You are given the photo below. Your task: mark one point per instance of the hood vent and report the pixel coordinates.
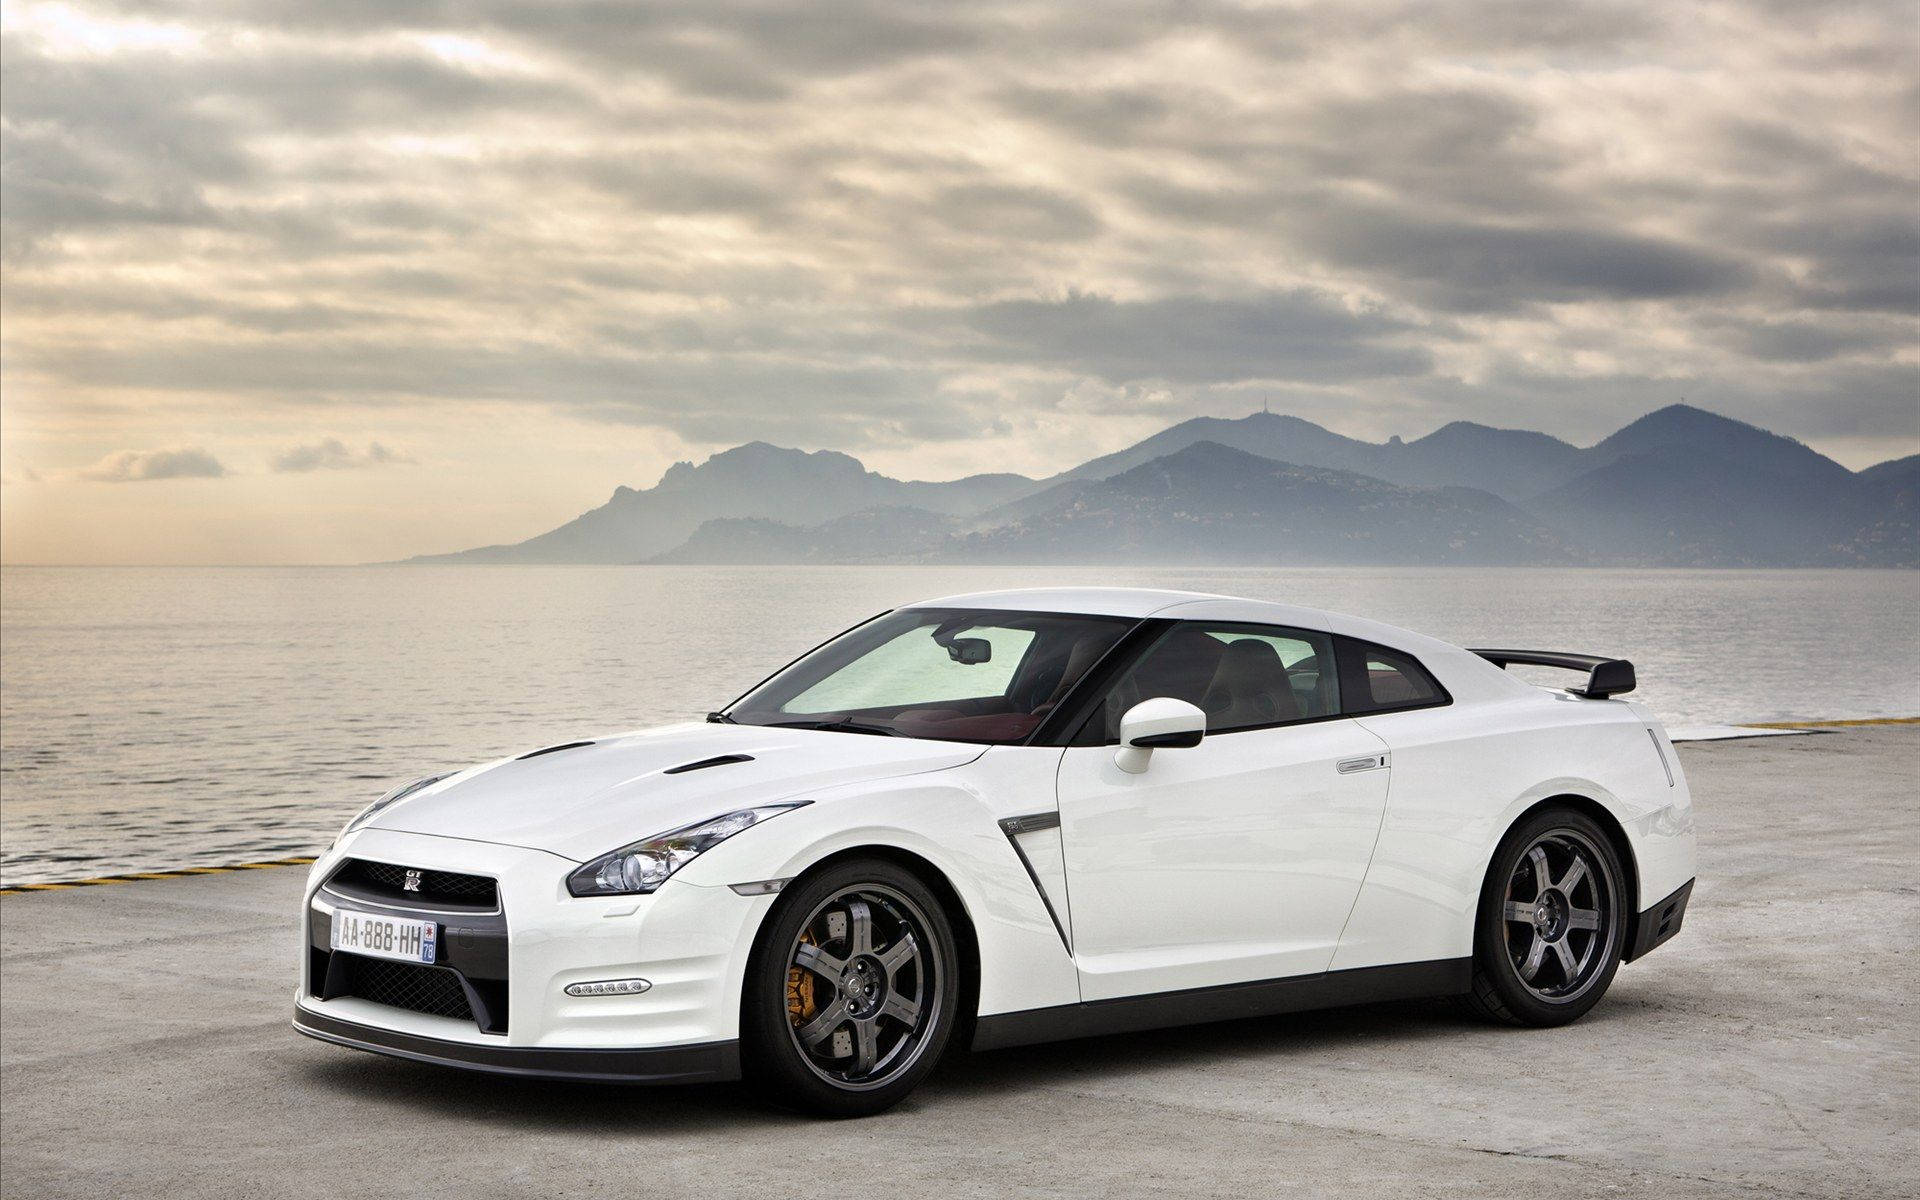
(703, 764)
(552, 750)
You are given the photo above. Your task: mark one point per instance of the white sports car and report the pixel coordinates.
(1006, 818)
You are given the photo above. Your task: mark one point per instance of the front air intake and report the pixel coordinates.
(388, 884)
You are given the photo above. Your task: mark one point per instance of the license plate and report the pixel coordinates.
(400, 938)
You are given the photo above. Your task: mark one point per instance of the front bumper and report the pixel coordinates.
(713, 1062)
(691, 942)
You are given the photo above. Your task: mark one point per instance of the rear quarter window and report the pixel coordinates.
(1376, 679)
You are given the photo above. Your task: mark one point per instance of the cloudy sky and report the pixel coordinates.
(288, 281)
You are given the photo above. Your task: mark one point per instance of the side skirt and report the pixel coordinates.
(1232, 1002)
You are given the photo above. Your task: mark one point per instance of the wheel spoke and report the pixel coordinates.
(814, 959)
(1564, 953)
(1571, 880)
(866, 1046)
(1536, 955)
(903, 951)
(821, 1027)
(903, 1008)
(1542, 876)
(859, 928)
(1583, 918)
(1517, 911)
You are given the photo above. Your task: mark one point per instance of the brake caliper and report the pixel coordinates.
(800, 1003)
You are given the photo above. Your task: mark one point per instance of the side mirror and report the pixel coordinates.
(1162, 723)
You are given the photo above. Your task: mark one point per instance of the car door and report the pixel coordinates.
(1231, 861)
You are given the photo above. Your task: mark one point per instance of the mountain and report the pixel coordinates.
(1894, 478)
(1697, 431)
(1686, 487)
(1512, 463)
(1677, 506)
(1891, 535)
(754, 480)
(1508, 462)
(885, 534)
(1269, 435)
(1677, 487)
(1209, 503)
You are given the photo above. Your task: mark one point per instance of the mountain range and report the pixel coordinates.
(1678, 487)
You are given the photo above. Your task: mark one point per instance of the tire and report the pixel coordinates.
(851, 993)
(1545, 950)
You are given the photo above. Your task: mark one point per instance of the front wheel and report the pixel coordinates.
(851, 993)
(1552, 921)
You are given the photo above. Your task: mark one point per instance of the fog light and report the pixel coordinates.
(609, 987)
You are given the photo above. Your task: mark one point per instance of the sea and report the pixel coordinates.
(157, 718)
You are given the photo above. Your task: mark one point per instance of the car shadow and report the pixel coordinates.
(1324, 1033)
(418, 1089)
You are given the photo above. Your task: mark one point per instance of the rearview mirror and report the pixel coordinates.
(970, 651)
(1162, 723)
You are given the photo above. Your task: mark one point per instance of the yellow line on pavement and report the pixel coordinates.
(1832, 724)
(131, 876)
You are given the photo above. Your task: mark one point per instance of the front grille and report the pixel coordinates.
(441, 887)
(406, 985)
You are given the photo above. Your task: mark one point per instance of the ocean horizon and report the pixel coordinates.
(161, 717)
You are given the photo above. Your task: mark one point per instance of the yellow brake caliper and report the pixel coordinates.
(800, 1005)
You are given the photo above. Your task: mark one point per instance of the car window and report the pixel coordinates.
(913, 668)
(1379, 679)
(954, 674)
(1241, 676)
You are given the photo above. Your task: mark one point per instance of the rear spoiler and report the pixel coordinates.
(1605, 676)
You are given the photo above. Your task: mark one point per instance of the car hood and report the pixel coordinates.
(581, 801)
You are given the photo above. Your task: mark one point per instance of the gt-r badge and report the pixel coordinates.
(412, 882)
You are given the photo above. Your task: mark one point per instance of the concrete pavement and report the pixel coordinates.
(1769, 1050)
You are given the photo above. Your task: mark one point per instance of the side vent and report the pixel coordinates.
(717, 761)
(1014, 827)
(552, 750)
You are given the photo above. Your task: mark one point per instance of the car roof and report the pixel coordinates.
(1461, 670)
(1160, 602)
(1089, 601)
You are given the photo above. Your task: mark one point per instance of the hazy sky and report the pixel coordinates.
(334, 280)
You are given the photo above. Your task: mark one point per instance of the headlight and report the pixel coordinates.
(399, 793)
(644, 866)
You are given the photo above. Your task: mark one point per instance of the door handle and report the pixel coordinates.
(1353, 766)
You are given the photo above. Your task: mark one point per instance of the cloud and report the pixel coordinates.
(1024, 213)
(142, 466)
(1297, 335)
(866, 224)
(332, 454)
(1482, 266)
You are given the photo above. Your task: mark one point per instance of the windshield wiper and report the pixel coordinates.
(843, 725)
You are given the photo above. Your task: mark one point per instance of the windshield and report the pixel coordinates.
(962, 675)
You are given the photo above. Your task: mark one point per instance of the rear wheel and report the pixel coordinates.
(1552, 921)
(851, 993)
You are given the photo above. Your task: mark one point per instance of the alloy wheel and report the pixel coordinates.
(1557, 916)
(862, 980)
